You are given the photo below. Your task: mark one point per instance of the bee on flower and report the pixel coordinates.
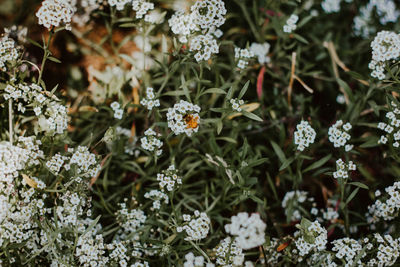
(184, 118)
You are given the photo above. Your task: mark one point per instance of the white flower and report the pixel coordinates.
(169, 179)
(205, 46)
(197, 228)
(320, 239)
(8, 52)
(261, 52)
(249, 231)
(55, 13)
(304, 136)
(150, 100)
(342, 169)
(184, 118)
(291, 23)
(151, 143)
(338, 136)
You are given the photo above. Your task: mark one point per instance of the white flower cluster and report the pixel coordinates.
(196, 227)
(385, 47)
(204, 46)
(118, 111)
(387, 209)
(83, 9)
(331, 6)
(242, 56)
(142, 7)
(249, 231)
(169, 178)
(71, 209)
(120, 4)
(195, 261)
(86, 163)
(150, 100)
(183, 25)
(209, 14)
(291, 23)
(320, 236)
(291, 202)
(151, 143)
(261, 52)
(338, 134)
(203, 22)
(90, 248)
(342, 169)
(52, 116)
(386, 12)
(304, 135)
(8, 52)
(130, 220)
(236, 103)
(14, 159)
(348, 249)
(56, 163)
(157, 197)
(184, 118)
(54, 13)
(388, 250)
(229, 253)
(392, 128)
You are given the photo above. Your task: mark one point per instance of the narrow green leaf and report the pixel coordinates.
(318, 163)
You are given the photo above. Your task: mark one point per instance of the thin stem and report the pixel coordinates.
(249, 21)
(10, 121)
(45, 56)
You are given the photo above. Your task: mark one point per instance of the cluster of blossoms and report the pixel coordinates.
(342, 169)
(332, 6)
(195, 261)
(196, 227)
(150, 100)
(385, 47)
(318, 234)
(203, 22)
(184, 118)
(90, 247)
(261, 52)
(291, 23)
(55, 13)
(387, 209)
(229, 253)
(236, 103)
(141, 7)
(386, 12)
(392, 128)
(292, 201)
(348, 249)
(242, 57)
(304, 135)
(118, 111)
(8, 52)
(388, 250)
(204, 46)
(130, 220)
(151, 143)
(157, 197)
(338, 134)
(249, 231)
(169, 178)
(52, 116)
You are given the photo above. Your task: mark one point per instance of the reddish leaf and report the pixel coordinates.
(260, 80)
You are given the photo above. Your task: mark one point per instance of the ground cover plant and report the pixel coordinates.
(199, 133)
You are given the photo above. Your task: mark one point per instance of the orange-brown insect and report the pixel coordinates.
(191, 121)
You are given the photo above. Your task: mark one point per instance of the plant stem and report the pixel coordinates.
(10, 121)
(45, 56)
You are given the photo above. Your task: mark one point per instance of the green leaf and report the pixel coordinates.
(286, 163)
(278, 152)
(213, 91)
(299, 38)
(352, 195)
(244, 89)
(251, 115)
(361, 185)
(54, 59)
(318, 163)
